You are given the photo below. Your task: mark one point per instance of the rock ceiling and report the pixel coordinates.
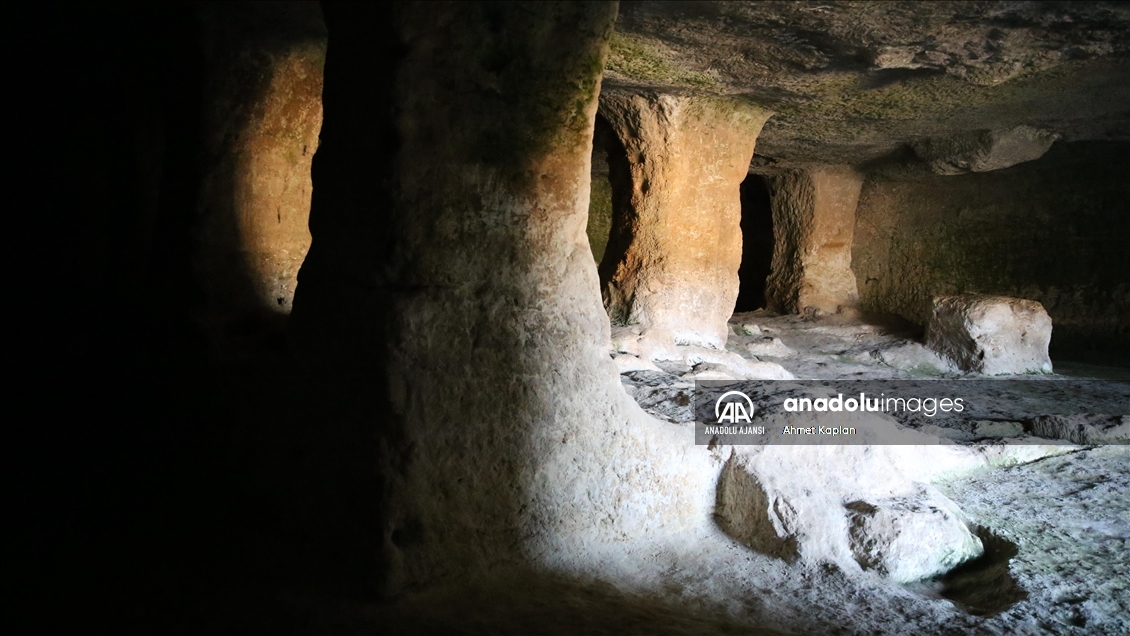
(852, 82)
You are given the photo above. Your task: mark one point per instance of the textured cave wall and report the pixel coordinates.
(675, 249)
(1051, 230)
(450, 282)
(261, 118)
(813, 223)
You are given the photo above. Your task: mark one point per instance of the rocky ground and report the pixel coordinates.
(1054, 524)
(1055, 530)
(1061, 526)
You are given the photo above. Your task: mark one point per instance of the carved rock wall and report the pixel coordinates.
(262, 116)
(452, 311)
(813, 225)
(1050, 230)
(675, 249)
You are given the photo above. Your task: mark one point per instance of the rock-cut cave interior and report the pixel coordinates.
(404, 317)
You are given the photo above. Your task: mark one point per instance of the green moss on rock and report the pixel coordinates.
(600, 216)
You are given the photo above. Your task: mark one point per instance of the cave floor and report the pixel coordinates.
(1059, 525)
(1067, 516)
(1056, 530)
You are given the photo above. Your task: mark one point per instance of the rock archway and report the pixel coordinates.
(757, 243)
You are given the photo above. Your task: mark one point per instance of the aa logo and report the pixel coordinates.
(733, 407)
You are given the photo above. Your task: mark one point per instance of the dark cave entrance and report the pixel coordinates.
(605, 147)
(757, 243)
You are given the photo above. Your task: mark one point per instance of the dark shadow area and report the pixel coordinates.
(600, 195)
(527, 602)
(159, 491)
(757, 243)
(984, 586)
(1100, 355)
(623, 216)
(116, 89)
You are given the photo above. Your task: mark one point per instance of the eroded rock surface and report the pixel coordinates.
(858, 507)
(993, 335)
(264, 95)
(910, 538)
(672, 259)
(854, 81)
(813, 224)
(982, 151)
(1048, 230)
(1085, 429)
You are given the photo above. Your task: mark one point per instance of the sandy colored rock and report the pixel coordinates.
(813, 225)
(983, 150)
(672, 260)
(264, 92)
(993, 335)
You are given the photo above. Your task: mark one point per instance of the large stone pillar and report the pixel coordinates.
(813, 223)
(262, 115)
(676, 243)
(450, 280)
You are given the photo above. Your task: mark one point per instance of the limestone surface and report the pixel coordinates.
(671, 265)
(982, 151)
(850, 82)
(1084, 429)
(264, 74)
(769, 346)
(993, 335)
(910, 538)
(858, 507)
(813, 225)
(1005, 233)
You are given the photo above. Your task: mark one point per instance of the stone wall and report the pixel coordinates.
(813, 220)
(263, 112)
(1052, 230)
(675, 248)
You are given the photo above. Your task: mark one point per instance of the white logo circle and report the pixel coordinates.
(734, 411)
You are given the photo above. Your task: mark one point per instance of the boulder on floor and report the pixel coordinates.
(994, 335)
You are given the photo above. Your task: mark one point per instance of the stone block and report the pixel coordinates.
(910, 538)
(994, 335)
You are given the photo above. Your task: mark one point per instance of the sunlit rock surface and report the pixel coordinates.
(993, 335)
